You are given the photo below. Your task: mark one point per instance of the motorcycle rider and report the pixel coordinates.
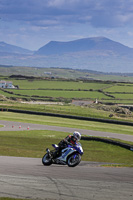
(70, 139)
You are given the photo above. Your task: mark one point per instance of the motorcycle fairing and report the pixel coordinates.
(65, 153)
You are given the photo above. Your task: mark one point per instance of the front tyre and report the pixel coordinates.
(73, 160)
(46, 160)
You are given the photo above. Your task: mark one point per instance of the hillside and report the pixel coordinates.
(12, 49)
(96, 44)
(97, 54)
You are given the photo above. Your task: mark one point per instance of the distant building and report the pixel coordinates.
(6, 84)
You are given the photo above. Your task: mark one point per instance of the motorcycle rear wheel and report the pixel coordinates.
(73, 160)
(46, 160)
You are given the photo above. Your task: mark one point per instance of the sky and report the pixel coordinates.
(33, 23)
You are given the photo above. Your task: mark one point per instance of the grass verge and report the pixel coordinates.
(33, 144)
(63, 122)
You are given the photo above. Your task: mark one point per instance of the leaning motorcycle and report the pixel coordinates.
(71, 155)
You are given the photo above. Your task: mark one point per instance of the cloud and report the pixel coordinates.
(98, 13)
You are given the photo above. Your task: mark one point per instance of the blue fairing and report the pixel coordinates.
(78, 148)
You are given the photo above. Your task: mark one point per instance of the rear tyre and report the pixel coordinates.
(73, 160)
(46, 160)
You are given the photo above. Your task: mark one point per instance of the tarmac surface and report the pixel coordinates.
(28, 178)
(17, 126)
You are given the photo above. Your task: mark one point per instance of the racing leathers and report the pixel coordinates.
(70, 139)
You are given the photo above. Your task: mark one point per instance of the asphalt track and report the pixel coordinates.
(28, 178)
(17, 126)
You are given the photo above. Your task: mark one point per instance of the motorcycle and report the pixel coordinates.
(71, 155)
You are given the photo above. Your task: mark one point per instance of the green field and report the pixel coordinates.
(121, 91)
(125, 88)
(123, 96)
(54, 90)
(57, 84)
(63, 94)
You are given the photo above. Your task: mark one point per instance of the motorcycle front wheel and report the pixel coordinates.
(46, 160)
(73, 160)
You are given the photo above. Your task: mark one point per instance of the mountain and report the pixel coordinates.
(82, 45)
(8, 48)
(96, 53)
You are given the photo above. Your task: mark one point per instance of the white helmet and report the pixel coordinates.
(77, 135)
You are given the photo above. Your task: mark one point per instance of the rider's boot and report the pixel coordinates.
(55, 154)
